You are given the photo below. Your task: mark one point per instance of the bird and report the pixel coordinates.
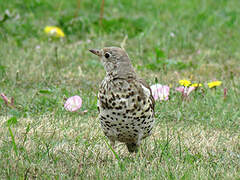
(125, 101)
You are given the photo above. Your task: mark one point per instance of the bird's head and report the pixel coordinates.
(114, 59)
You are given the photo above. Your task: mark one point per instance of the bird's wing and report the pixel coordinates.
(145, 85)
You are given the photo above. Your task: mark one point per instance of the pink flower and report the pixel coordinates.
(160, 92)
(185, 90)
(9, 103)
(73, 103)
(5, 99)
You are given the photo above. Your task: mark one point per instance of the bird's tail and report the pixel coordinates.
(132, 147)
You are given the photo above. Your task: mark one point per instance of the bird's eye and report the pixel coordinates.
(107, 55)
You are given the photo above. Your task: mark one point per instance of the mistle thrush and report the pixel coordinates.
(125, 102)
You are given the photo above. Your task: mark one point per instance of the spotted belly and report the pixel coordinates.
(126, 114)
(126, 128)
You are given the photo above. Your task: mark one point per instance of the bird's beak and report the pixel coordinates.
(95, 51)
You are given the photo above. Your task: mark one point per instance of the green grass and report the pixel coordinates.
(194, 139)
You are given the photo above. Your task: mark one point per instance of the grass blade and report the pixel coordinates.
(13, 141)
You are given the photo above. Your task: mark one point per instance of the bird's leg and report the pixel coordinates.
(132, 147)
(140, 135)
(112, 143)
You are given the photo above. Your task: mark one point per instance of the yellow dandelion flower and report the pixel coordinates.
(214, 84)
(196, 85)
(185, 82)
(54, 31)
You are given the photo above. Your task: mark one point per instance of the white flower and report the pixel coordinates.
(172, 34)
(160, 92)
(185, 90)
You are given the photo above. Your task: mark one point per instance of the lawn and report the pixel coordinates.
(194, 138)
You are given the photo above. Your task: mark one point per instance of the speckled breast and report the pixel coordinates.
(126, 109)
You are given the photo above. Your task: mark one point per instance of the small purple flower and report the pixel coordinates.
(225, 93)
(73, 103)
(160, 92)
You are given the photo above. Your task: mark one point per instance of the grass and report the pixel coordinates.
(167, 40)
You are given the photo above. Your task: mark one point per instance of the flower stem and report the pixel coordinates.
(78, 7)
(56, 55)
(101, 13)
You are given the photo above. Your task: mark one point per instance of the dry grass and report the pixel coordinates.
(76, 146)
